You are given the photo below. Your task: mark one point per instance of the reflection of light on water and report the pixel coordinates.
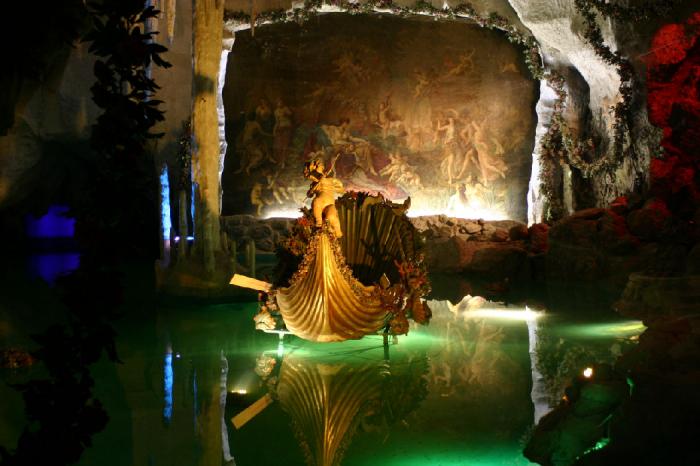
(168, 387)
(280, 348)
(538, 393)
(626, 329)
(507, 314)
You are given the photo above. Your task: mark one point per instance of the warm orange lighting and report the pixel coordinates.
(588, 372)
(283, 213)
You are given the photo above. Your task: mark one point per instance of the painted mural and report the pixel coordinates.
(442, 112)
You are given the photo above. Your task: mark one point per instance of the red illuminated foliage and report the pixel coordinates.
(673, 79)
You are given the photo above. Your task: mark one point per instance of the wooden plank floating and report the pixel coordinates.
(251, 283)
(242, 418)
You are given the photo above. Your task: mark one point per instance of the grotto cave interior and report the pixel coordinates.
(350, 232)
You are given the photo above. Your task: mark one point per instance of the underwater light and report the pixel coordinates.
(168, 387)
(240, 391)
(588, 372)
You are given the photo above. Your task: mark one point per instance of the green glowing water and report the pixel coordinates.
(457, 392)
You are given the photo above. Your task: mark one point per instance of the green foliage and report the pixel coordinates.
(124, 198)
(124, 85)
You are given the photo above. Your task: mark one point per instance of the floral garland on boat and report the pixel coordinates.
(402, 300)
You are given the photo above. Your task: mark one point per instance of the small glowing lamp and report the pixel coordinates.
(588, 372)
(240, 391)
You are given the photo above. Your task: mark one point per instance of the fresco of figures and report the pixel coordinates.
(442, 112)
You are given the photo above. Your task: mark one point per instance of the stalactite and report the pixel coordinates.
(207, 45)
(170, 7)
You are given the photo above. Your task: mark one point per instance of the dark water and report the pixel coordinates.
(464, 390)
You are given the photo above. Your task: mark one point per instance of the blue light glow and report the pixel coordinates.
(165, 202)
(168, 388)
(54, 224)
(51, 266)
(192, 200)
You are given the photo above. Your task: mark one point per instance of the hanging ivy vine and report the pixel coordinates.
(622, 111)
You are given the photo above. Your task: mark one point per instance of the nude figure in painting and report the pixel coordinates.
(254, 149)
(341, 140)
(488, 166)
(257, 200)
(386, 120)
(469, 157)
(282, 132)
(446, 127)
(323, 190)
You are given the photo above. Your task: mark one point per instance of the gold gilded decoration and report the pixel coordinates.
(323, 191)
(326, 403)
(349, 268)
(324, 301)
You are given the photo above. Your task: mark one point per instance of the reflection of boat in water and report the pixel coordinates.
(334, 289)
(329, 400)
(326, 402)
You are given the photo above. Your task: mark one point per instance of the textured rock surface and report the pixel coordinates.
(650, 298)
(451, 244)
(473, 246)
(265, 232)
(52, 126)
(592, 245)
(559, 29)
(607, 245)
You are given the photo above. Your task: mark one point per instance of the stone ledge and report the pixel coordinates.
(494, 248)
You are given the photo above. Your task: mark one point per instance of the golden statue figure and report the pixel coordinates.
(323, 191)
(349, 268)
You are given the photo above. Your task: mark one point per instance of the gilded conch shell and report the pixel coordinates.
(324, 301)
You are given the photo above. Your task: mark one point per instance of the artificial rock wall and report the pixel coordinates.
(404, 107)
(43, 150)
(58, 111)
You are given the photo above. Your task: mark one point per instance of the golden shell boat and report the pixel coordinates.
(351, 273)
